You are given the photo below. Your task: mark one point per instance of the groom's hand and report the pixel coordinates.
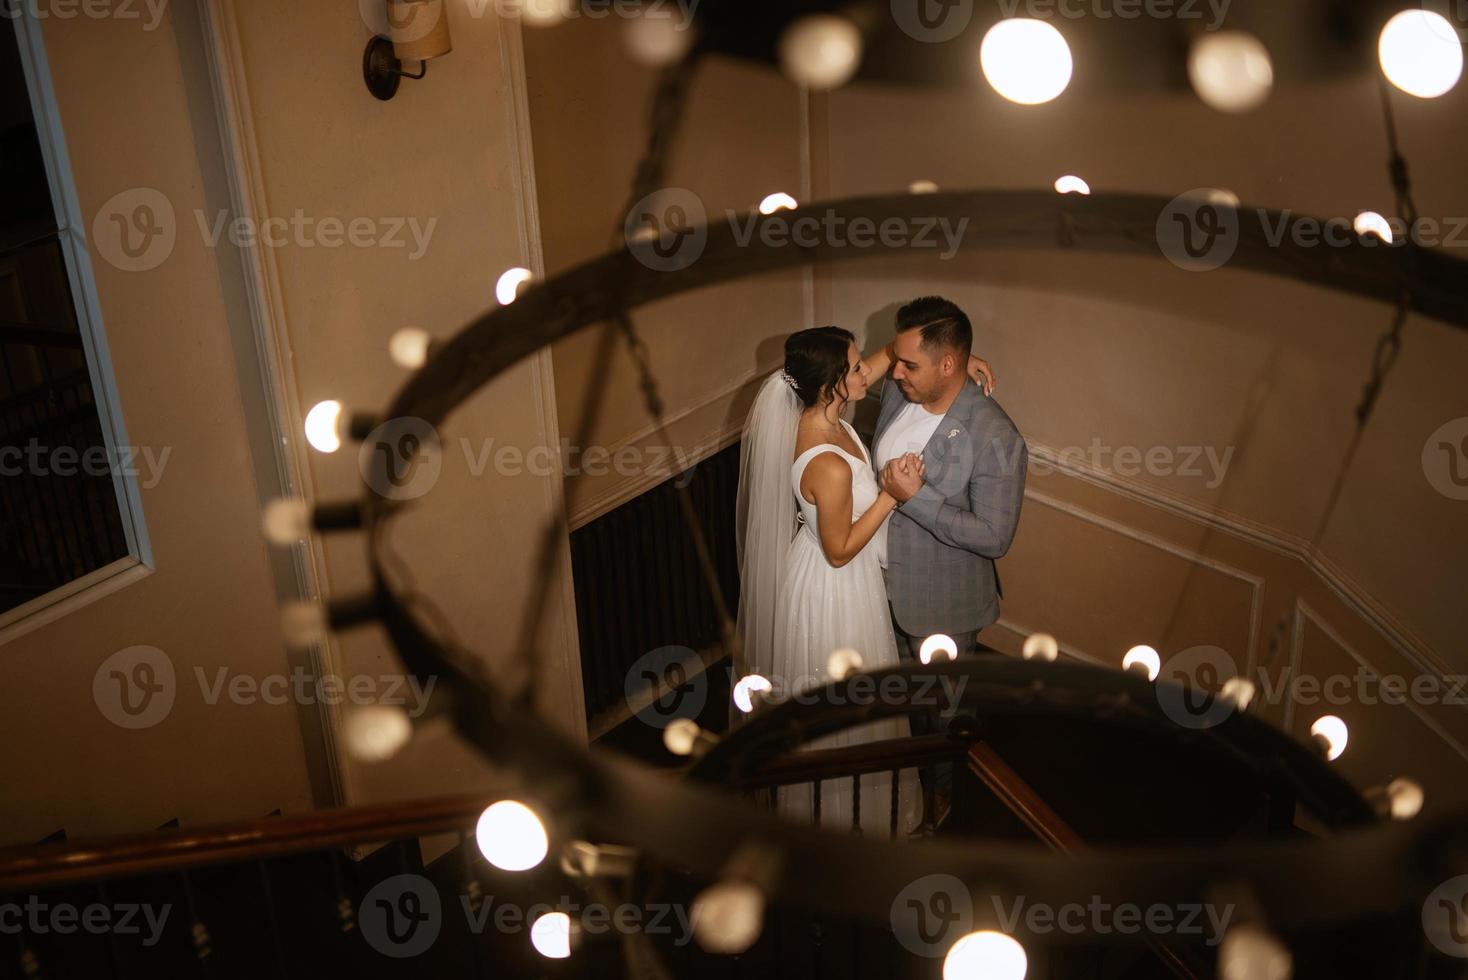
(903, 476)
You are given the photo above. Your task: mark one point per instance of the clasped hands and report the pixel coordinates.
(903, 476)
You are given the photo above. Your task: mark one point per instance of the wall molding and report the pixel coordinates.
(229, 85)
(543, 379)
(1303, 612)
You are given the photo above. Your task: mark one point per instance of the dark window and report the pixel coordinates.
(59, 512)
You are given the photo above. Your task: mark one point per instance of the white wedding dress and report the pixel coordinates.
(823, 608)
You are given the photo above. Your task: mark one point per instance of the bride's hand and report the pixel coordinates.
(982, 373)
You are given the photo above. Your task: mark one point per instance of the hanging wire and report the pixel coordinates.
(1390, 343)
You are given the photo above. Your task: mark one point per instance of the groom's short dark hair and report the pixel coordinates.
(943, 324)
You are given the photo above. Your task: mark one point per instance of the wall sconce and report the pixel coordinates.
(417, 31)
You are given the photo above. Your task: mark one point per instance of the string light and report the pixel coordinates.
(777, 201)
(511, 836)
(986, 955)
(728, 916)
(746, 690)
(408, 348)
(1026, 60)
(1420, 53)
(1230, 70)
(1071, 184)
(1331, 734)
(681, 736)
(323, 426)
(1405, 798)
(1238, 690)
(1250, 952)
(1041, 646)
(376, 732)
(285, 521)
(510, 281)
(1371, 223)
(1143, 658)
(935, 643)
(657, 41)
(821, 51)
(843, 663)
(551, 935)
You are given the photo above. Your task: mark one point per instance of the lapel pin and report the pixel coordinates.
(952, 433)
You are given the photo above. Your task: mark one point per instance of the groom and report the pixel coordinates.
(952, 522)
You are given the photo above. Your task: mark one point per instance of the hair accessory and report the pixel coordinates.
(785, 377)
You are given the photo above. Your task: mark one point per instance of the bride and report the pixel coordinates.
(811, 522)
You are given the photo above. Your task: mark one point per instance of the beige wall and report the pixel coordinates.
(209, 601)
(445, 151)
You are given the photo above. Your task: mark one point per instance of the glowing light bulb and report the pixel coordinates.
(408, 348)
(375, 732)
(747, 688)
(657, 41)
(843, 663)
(776, 202)
(935, 643)
(537, 13)
(1249, 952)
(551, 935)
(1070, 184)
(511, 837)
(1405, 797)
(1026, 60)
(322, 426)
(1239, 690)
(1221, 198)
(1041, 646)
(302, 624)
(285, 521)
(510, 281)
(986, 955)
(1420, 53)
(1231, 70)
(1371, 223)
(728, 916)
(821, 51)
(1333, 735)
(1143, 657)
(681, 735)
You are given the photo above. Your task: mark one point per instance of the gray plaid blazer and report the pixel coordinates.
(941, 543)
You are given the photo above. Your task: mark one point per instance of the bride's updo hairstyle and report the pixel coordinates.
(815, 360)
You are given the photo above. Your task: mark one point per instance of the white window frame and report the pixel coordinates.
(71, 234)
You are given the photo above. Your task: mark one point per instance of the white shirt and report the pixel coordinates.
(908, 433)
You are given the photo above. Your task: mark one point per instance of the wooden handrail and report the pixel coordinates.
(51, 865)
(1020, 798)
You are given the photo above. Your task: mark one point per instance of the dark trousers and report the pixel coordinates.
(926, 721)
